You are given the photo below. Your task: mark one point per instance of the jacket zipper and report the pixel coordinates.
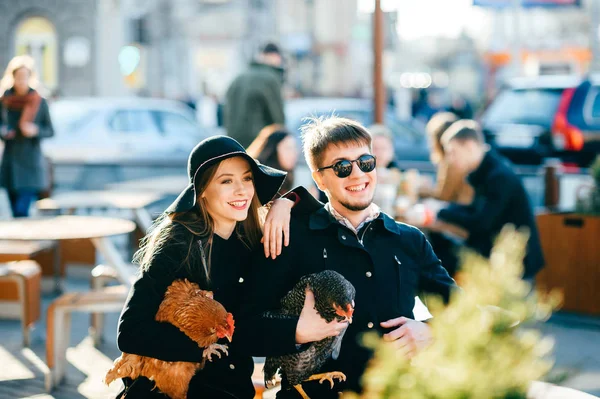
(360, 240)
(324, 253)
(399, 273)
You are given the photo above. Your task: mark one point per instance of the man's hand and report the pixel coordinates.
(29, 129)
(277, 227)
(312, 327)
(410, 337)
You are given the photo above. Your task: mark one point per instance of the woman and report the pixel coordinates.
(276, 147)
(24, 121)
(206, 236)
(451, 185)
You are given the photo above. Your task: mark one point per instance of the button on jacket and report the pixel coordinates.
(387, 262)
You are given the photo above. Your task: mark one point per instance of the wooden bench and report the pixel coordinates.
(58, 327)
(42, 252)
(20, 294)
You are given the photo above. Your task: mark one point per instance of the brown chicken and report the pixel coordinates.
(197, 315)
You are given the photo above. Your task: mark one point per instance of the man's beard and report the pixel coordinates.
(357, 207)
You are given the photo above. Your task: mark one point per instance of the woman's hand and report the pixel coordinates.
(6, 133)
(277, 227)
(312, 327)
(29, 129)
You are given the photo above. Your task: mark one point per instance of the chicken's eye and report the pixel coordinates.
(213, 330)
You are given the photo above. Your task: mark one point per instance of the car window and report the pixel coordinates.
(133, 121)
(171, 123)
(70, 117)
(596, 106)
(535, 106)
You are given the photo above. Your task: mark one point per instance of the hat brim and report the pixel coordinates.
(267, 182)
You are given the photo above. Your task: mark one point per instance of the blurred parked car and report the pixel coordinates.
(113, 129)
(576, 128)
(410, 140)
(522, 120)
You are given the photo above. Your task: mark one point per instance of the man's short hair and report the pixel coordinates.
(318, 133)
(271, 48)
(463, 130)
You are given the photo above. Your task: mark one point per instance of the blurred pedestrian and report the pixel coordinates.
(422, 108)
(254, 99)
(461, 107)
(500, 197)
(451, 184)
(388, 170)
(24, 121)
(277, 148)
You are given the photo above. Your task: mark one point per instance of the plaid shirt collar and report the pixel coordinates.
(374, 212)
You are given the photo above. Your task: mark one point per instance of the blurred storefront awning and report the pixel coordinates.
(526, 3)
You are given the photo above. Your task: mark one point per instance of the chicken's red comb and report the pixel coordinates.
(230, 321)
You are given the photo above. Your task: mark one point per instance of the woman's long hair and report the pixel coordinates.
(436, 127)
(264, 149)
(196, 237)
(18, 62)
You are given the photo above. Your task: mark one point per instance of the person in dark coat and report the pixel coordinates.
(24, 121)
(500, 197)
(206, 236)
(254, 99)
(387, 262)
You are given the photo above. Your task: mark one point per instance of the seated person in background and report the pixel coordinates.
(276, 147)
(451, 185)
(500, 197)
(388, 170)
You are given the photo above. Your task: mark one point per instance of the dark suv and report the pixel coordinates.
(576, 128)
(523, 121)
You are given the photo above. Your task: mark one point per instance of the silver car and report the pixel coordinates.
(96, 129)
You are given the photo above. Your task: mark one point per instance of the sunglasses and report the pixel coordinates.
(343, 168)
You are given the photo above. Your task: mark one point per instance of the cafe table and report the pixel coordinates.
(71, 201)
(97, 229)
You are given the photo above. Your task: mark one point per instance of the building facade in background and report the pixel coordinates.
(186, 49)
(59, 34)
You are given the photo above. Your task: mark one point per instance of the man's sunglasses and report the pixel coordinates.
(343, 168)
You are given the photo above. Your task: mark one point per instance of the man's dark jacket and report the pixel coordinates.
(391, 265)
(253, 101)
(500, 199)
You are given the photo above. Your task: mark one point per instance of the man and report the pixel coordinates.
(254, 99)
(387, 262)
(500, 197)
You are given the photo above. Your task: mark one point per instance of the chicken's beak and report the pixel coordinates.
(349, 320)
(229, 337)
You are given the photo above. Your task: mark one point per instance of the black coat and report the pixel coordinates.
(228, 377)
(23, 166)
(253, 101)
(392, 265)
(500, 199)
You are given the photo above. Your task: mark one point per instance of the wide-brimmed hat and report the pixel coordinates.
(267, 180)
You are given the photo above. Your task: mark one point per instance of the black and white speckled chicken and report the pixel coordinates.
(334, 299)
